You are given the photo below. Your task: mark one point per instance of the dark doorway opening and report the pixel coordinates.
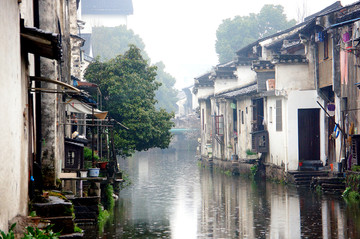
(309, 135)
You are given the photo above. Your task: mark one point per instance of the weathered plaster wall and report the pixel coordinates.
(218, 108)
(245, 75)
(277, 139)
(53, 14)
(308, 101)
(75, 42)
(229, 130)
(339, 141)
(204, 92)
(293, 77)
(244, 127)
(13, 120)
(221, 85)
(206, 127)
(283, 145)
(102, 21)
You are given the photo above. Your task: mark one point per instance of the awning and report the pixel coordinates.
(63, 84)
(76, 106)
(41, 43)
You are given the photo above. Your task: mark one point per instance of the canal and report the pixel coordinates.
(172, 197)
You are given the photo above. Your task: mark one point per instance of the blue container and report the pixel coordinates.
(93, 172)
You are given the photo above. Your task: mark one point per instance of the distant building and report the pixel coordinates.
(187, 102)
(106, 13)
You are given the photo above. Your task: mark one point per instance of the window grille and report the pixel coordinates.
(219, 125)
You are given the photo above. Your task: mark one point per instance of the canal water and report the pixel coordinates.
(172, 197)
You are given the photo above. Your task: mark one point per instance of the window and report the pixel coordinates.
(326, 46)
(270, 114)
(219, 124)
(202, 119)
(242, 117)
(235, 120)
(278, 115)
(70, 160)
(240, 120)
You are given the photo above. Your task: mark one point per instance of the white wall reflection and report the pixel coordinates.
(172, 198)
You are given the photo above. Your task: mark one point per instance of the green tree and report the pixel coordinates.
(166, 95)
(108, 42)
(128, 85)
(233, 34)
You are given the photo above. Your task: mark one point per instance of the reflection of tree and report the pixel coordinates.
(352, 213)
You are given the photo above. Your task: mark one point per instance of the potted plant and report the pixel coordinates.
(102, 163)
(91, 156)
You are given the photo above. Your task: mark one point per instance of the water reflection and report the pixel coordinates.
(171, 197)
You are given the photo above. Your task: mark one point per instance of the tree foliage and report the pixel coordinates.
(233, 34)
(108, 42)
(166, 95)
(128, 85)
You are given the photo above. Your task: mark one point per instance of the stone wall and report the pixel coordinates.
(241, 168)
(274, 172)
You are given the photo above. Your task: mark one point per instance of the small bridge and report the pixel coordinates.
(180, 131)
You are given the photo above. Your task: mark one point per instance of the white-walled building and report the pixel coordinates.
(267, 101)
(106, 13)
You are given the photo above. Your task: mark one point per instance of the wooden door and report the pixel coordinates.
(309, 134)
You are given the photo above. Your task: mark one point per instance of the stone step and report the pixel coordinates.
(329, 179)
(332, 186)
(72, 236)
(309, 172)
(63, 224)
(54, 208)
(85, 201)
(334, 191)
(86, 215)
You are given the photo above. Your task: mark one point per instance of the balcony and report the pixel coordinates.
(260, 141)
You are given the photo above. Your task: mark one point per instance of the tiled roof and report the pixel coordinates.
(289, 59)
(239, 92)
(203, 80)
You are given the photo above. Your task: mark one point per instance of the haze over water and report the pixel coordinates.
(171, 197)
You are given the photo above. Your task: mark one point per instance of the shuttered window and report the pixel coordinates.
(278, 115)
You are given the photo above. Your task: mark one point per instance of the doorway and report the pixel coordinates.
(309, 134)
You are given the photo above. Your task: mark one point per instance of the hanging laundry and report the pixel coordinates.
(346, 37)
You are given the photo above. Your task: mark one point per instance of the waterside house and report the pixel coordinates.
(291, 98)
(40, 69)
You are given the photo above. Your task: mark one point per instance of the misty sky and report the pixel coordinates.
(182, 33)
